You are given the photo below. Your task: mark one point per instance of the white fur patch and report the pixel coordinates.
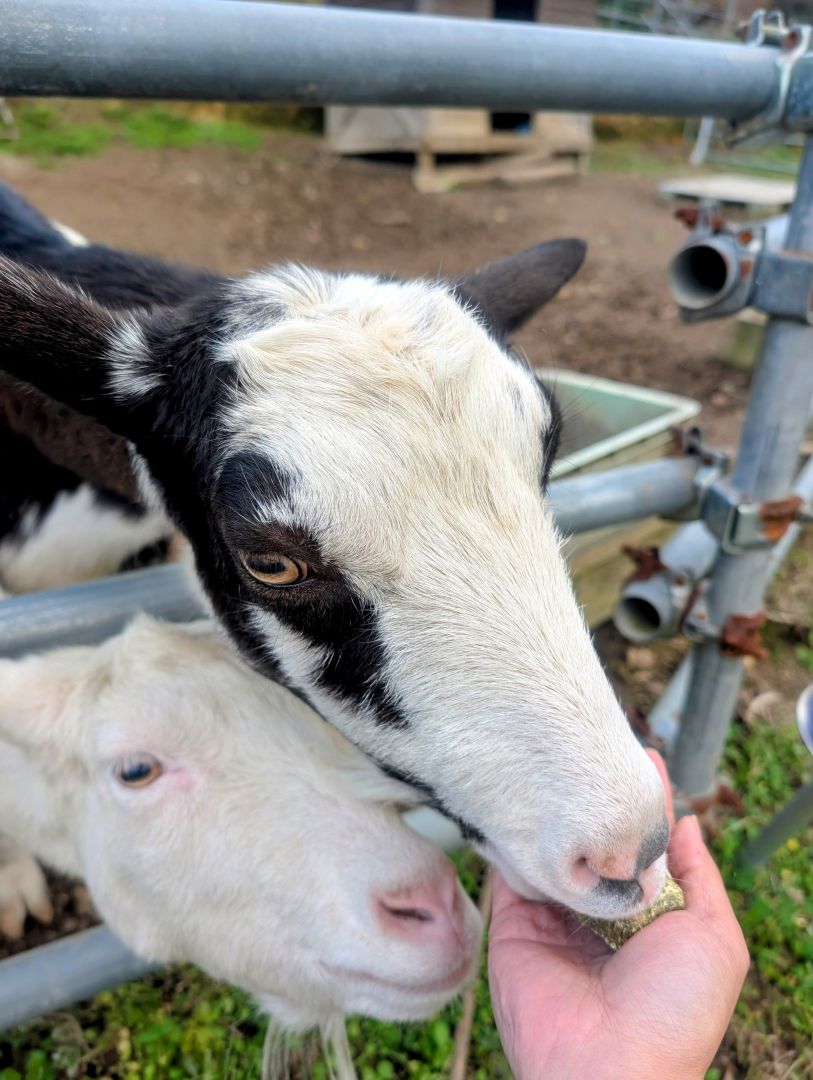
(78, 539)
(129, 359)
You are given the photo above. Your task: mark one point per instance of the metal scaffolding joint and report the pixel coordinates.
(723, 269)
(740, 523)
(791, 45)
(712, 464)
(646, 560)
(783, 285)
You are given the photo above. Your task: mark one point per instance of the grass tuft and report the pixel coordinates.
(46, 133)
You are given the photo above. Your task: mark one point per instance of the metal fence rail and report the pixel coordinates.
(227, 50)
(57, 975)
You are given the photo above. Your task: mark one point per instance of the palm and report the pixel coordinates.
(568, 1007)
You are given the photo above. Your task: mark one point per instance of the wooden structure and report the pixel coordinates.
(513, 147)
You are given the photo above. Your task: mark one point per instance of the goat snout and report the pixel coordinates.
(430, 912)
(629, 874)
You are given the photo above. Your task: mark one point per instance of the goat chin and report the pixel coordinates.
(335, 1045)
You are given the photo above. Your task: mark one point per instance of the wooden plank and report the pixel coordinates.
(432, 179)
(735, 188)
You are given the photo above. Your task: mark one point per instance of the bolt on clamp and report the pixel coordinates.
(740, 524)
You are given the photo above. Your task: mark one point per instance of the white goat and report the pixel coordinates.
(216, 819)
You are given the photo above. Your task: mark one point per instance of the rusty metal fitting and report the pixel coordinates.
(741, 636)
(778, 515)
(689, 215)
(647, 562)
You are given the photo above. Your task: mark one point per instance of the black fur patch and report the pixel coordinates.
(250, 479)
(324, 610)
(469, 831)
(118, 279)
(551, 436)
(625, 892)
(30, 484)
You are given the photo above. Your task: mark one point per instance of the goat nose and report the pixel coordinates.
(653, 847)
(621, 865)
(432, 911)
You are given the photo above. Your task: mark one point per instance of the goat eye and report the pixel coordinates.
(138, 771)
(275, 569)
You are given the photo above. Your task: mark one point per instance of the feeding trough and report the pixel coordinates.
(609, 424)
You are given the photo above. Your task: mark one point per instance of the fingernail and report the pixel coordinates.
(694, 825)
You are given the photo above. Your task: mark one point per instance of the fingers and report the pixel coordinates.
(706, 898)
(659, 764)
(516, 920)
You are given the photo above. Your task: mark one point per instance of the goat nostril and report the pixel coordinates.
(584, 874)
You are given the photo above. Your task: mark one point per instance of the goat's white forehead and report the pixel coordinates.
(414, 336)
(383, 397)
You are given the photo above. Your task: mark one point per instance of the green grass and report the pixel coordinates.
(774, 903)
(156, 127)
(630, 156)
(45, 132)
(660, 157)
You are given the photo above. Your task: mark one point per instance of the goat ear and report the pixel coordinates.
(33, 697)
(508, 292)
(64, 344)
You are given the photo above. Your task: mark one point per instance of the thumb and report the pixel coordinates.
(695, 871)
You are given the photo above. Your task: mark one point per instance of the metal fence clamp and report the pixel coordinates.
(792, 43)
(741, 524)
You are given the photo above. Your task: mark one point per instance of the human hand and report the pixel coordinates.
(566, 1007)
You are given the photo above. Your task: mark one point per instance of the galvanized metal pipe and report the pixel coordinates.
(664, 717)
(652, 608)
(774, 426)
(595, 500)
(87, 613)
(226, 50)
(791, 820)
(57, 975)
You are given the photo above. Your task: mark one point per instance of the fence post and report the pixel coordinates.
(774, 427)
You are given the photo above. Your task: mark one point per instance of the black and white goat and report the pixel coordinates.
(360, 466)
(68, 509)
